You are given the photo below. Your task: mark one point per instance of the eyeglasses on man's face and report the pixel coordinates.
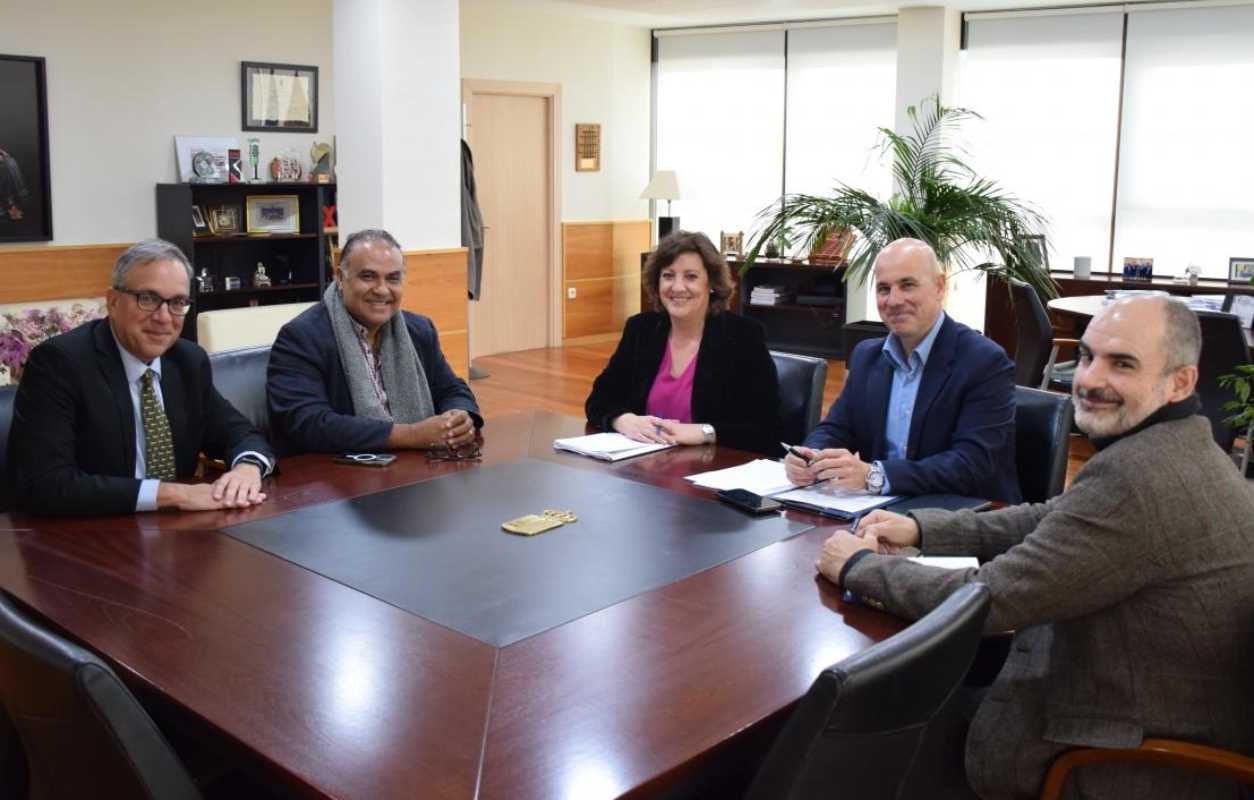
(151, 301)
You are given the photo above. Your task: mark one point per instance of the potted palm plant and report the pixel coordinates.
(968, 220)
(1241, 383)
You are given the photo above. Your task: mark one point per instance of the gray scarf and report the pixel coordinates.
(409, 394)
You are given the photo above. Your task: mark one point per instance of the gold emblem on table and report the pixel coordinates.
(531, 524)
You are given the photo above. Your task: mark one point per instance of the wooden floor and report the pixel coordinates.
(560, 378)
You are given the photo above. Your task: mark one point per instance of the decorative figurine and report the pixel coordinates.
(254, 157)
(320, 156)
(1192, 273)
(204, 281)
(260, 278)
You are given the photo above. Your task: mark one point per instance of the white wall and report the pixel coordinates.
(399, 157)
(126, 76)
(603, 69)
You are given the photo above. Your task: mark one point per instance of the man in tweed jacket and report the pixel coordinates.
(1131, 594)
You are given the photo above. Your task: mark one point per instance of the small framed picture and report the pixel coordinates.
(273, 213)
(1138, 269)
(731, 243)
(1241, 269)
(223, 220)
(199, 226)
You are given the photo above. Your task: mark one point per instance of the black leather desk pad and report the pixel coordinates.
(436, 548)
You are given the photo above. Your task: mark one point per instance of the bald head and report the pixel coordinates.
(1180, 334)
(915, 252)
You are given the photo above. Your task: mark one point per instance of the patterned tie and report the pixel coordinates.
(158, 442)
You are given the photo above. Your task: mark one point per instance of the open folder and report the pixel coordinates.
(606, 446)
(767, 478)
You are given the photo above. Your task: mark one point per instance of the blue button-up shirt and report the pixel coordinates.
(907, 376)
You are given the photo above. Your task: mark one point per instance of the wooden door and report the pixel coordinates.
(511, 138)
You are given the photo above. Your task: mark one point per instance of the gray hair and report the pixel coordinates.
(1182, 335)
(146, 252)
(364, 237)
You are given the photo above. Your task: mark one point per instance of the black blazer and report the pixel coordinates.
(311, 406)
(72, 446)
(962, 433)
(734, 388)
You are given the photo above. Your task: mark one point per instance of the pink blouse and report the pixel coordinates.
(671, 398)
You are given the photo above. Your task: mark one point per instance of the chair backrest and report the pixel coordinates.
(857, 730)
(1042, 439)
(235, 328)
(801, 380)
(1223, 348)
(1035, 333)
(240, 377)
(84, 734)
(7, 395)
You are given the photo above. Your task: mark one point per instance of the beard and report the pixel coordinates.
(1119, 418)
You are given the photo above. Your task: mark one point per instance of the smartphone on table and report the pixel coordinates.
(365, 459)
(746, 500)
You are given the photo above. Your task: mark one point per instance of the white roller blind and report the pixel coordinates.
(720, 126)
(1048, 89)
(1186, 177)
(841, 88)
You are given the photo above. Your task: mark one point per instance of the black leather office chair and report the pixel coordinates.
(1036, 355)
(7, 394)
(240, 377)
(83, 732)
(1042, 440)
(801, 380)
(862, 723)
(1223, 348)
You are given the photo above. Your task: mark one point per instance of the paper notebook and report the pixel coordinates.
(768, 478)
(607, 446)
(761, 477)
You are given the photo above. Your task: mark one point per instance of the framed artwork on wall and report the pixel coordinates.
(278, 97)
(25, 184)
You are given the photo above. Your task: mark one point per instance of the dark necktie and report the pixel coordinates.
(158, 442)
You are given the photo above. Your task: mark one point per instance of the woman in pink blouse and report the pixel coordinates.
(690, 372)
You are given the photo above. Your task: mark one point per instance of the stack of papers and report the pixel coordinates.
(767, 295)
(760, 477)
(829, 500)
(607, 446)
(948, 562)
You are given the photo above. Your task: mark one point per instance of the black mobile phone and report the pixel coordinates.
(365, 459)
(746, 500)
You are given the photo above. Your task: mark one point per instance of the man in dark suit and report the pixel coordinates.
(356, 373)
(111, 417)
(1131, 594)
(929, 409)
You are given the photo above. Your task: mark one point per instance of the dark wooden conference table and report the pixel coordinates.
(334, 693)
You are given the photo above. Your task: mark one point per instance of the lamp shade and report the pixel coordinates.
(664, 186)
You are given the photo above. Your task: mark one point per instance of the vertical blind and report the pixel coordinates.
(841, 86)
(1186, 176)
(1048, 89)
(720, 125)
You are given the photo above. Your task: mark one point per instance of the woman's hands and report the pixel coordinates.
(657, 430)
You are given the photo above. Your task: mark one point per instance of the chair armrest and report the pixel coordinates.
(1165, 752)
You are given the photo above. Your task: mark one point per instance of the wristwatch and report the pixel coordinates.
(707, 434)
(875, 478)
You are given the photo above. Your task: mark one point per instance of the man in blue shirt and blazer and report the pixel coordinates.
(927, 410)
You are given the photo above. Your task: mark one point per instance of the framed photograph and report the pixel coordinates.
(273, 213)
(223, 220)
(731, 243)
(1138, 269)
(1241, 269)
(25, 187)
(199, 226)
(278, 97)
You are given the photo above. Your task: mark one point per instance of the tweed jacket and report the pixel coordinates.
(1132, 598)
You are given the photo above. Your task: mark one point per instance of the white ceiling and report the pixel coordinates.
(681, 13)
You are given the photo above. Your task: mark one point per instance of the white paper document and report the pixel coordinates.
(607, 446)
(828, 499)
(948, 562)
(760, 477)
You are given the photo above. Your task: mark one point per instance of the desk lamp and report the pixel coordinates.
(664, 186)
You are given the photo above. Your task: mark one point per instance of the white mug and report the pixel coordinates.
(1083, 267)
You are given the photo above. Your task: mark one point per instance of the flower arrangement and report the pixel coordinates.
(21, 332)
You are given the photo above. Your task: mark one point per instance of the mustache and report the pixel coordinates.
(1096, 395)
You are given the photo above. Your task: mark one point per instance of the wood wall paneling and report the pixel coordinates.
(56, 272)
(435, 286)
(601, 261)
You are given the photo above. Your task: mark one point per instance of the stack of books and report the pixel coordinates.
(765, 295)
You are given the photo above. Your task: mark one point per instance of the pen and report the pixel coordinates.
(794, 451)
(848, 595)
